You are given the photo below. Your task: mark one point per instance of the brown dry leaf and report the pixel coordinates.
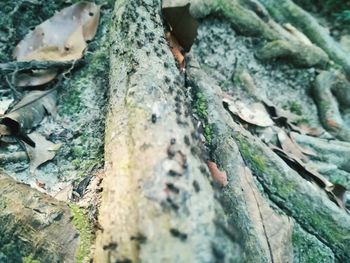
(35, 78)
(336, 192)
(43, 151)
(254, 114)
(176, 49)
(279, 114)
(274, 231)
(219, 176)
(289, 146)
(303, 149)
(29, 112)
(61, 38)
(183, 26)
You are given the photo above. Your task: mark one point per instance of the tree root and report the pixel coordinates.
(299, 54)
(36, 225)
(327, 105)
(287, 11)
(305, 202)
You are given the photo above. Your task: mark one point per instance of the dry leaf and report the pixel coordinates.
(183, 26)
(176, 49)
(274, 231)
(219, 176)
(254, 114)
(280, 115)
(335, 191)
(4, 105)
(289, 146)
(29, 112)
(60, 38)
(43, 152)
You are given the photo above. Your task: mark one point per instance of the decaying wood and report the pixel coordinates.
(34, 225)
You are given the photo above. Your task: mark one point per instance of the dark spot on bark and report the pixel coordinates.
(173, 188)
(91, 13)
(172, 204)
(195, 135)
(194, 150)
(167, 79)
(196, 186)
(176, 233)
(171, 152)
(203, 169)
(154, 118)
(174, 173)
(139, 237)
(172, 141)
(166, 65)
(187, 140)
(126, 260)
(110, 246)
(218, 253)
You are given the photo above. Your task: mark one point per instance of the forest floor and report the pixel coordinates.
(238, 108)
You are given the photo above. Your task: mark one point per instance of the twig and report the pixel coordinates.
(23, 66)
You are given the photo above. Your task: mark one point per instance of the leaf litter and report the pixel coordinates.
(275, 121)
(60, 38)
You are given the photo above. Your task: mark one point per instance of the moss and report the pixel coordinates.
(29, 259)
(85, 229)
(307, 249)
(295, 108)
(201, 108)
(297, 204)
(259, 166)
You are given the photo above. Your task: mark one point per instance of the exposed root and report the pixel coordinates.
(327, 104)
(298, 53)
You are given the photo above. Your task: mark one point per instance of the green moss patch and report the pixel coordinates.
(85, 229)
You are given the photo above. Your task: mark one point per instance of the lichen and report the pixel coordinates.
(85, 229)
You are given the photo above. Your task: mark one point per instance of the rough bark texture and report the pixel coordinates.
(34, 225)
(156, 183)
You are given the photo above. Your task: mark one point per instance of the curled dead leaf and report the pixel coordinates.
(29, 112)
(335, 191)
(219, 176)
(176, 49)
(254, 114)
(183, 26)
(289, 146)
